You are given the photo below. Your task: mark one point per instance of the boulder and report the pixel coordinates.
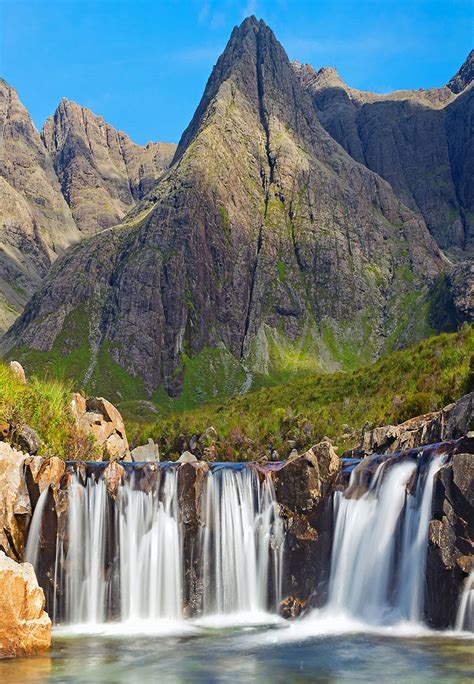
(303, 486)
(98, 417)
(27, 439)
(25, 627)
(187, 457)
(15, 505)
(18, 372)
(146, 452)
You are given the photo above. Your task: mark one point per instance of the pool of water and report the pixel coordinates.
(248, 649)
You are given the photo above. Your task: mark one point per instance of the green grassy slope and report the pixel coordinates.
(399, 386)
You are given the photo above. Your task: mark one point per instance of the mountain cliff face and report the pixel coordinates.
(420, 141)
(102, 172)
(265, 249)
(35, 222)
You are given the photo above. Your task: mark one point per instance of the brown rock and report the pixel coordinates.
(15, 505)
(25, 627)
(291, 608)
(112, 477)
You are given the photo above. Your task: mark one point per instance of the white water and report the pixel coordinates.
(34, 533)
(123, 560)
(242, 543)
(150, 553)
(465, 615)
(380, 542)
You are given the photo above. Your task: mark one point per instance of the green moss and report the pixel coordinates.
(225, 222)
(281, 270)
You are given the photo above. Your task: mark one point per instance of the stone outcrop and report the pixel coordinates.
(99, 418)
(102, 172)
(461, 285)
(263, 233)
(303, 488)
(420, 141)
(25, 627)
(15, 504)
(35, 222)
(452, 422)
(451, 536)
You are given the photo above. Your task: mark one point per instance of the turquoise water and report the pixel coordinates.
(310, 650)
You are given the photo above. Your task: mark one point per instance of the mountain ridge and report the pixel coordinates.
(265, 248)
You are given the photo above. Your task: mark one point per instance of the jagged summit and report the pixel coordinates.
(464, 77)
(241, 60)
(264, 241)
(102, 172)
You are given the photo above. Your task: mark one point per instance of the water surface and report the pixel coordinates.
(312, 650)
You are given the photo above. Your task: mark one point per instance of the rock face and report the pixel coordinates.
(451, 538)
(264, 234)
(25, 628)
(35, 222)
(461, 284)
(419, 141)
(101, 171)
(303, 489)
(452, 422)
(15, 504)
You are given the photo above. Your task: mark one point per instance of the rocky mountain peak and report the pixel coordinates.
(464, 77)
(326, 77)
(102, 172)
(251, 45)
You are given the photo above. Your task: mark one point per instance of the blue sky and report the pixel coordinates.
(143, 64)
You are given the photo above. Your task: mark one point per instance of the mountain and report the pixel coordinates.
(35, 222)
(102, 172)
(264, 250)
(420, 141)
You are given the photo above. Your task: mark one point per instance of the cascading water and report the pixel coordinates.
(380, 543)
(465, 615)
(242, 543)
(120, 556)
(150, 552)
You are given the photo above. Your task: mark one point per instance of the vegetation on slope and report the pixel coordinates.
(43, 405)
(296, 414)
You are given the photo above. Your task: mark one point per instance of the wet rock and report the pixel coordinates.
(146, 452)
(451, 538)
(191, 478)
(113, 475)
(25, 628)
(303, 488)
(18, 372)
(291, 608)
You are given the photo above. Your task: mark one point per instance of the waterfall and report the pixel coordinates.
(150, 551)
(119, 552)
(380, 542)
(465, 615)
(34, 533)
(242, 543)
